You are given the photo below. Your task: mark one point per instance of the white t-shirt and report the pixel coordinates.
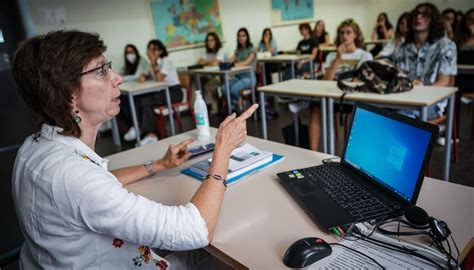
(350, 61)
(75, 214)
(220, 55)
(167, 68)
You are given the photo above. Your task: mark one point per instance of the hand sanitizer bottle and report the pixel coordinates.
(202, 119)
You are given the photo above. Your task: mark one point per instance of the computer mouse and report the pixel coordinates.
(306, 251)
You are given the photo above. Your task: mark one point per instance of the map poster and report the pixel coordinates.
(286, 12)
(185, 22)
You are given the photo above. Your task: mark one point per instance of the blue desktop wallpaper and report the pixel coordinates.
(388, 150)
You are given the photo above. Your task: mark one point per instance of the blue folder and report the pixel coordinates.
(235, 178)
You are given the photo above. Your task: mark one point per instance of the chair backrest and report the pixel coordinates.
(185, 81)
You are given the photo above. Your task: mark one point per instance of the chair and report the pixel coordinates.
(185, 104)
(9, 257)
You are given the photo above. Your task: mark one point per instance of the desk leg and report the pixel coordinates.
(296, 123)
(332, 148)
(198, 83)
(170, 110)
(263, 73)
(449, 137)
(324, 118)
(263, 115)
(134, 117)
(253, 92)
(229, 104)
(115, 133)
(311, 68)
(424, 114)
(293, 69)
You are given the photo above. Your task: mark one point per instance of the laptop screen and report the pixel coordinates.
(389, 151)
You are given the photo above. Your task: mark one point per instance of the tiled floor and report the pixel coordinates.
(10, 236)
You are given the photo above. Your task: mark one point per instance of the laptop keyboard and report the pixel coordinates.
(358, 202)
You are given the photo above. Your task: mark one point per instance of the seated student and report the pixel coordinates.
(308, 45)
(162, 70)
(320, 34)
(383, 29)
(428, 57)
(73, 212)
(349, 56)
(244, 55)
(136, 68)
(449, 22)
(465, 37)
(213, 56)
(400, 32)
(268, 44)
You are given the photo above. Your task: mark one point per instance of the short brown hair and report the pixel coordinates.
(359, 40)
(47, 70)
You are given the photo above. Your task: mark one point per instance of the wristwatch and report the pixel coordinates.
(149, 167)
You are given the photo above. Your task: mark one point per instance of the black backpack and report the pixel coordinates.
(378, 76)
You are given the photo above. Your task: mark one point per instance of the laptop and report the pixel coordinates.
(381, 170)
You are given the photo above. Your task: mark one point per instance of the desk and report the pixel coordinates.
(259, 220)
(226, 74)
(376, 41)
(132, 89)
(465, 69)
(328, 49)
(285, 58)
(418, 99)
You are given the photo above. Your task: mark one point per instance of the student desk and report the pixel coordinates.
(132, 89)
(465, 69)
(420, 98)
(376, 41)
(259, 220)
(215, 71)
(327, 49)
(285, 58)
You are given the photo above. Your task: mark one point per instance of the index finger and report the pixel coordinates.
(248, 112)
(184, 143)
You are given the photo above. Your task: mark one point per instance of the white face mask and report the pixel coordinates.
(131, 57)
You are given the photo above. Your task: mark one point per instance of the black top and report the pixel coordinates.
(322, 38)
(306, 46)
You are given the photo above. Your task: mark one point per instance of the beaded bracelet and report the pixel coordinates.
(218, 178)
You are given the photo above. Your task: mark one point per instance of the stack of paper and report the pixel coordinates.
(243, 160)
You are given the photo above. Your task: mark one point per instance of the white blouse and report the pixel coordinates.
(75, 214)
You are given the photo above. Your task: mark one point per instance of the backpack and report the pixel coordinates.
(379, 76)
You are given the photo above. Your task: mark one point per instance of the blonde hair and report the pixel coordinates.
(359, 40)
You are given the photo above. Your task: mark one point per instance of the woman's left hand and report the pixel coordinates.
(176, 154)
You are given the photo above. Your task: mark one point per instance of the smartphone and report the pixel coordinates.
(201, 149)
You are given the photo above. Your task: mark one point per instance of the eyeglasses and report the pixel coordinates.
(104, 70)
(345, 32)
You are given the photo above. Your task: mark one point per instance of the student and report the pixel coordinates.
(163, 70)
(244, 55)
(73, 212)
(267, 43)
(320, 34)
(349, 56)
(308, 45)
(465, 33)
(449, 21)
(428, 57)
(400, 32)
(213, 56)
(136, 68)
(383, 29)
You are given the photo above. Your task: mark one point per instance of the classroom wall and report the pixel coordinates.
(122, 21)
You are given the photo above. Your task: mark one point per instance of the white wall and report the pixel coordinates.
(129, 21)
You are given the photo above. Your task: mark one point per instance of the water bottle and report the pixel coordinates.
(202, 120)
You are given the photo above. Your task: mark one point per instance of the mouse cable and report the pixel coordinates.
(398, 248)
(457, 251)
(358, 252)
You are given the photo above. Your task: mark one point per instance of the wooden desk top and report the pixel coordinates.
(376, 41)
(259, 220)
(131, 87)
(419, 96)
(214, 71)
(328, 48)
(285, 58)
(465, 69)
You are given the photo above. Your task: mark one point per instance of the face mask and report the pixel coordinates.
(131, 57)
